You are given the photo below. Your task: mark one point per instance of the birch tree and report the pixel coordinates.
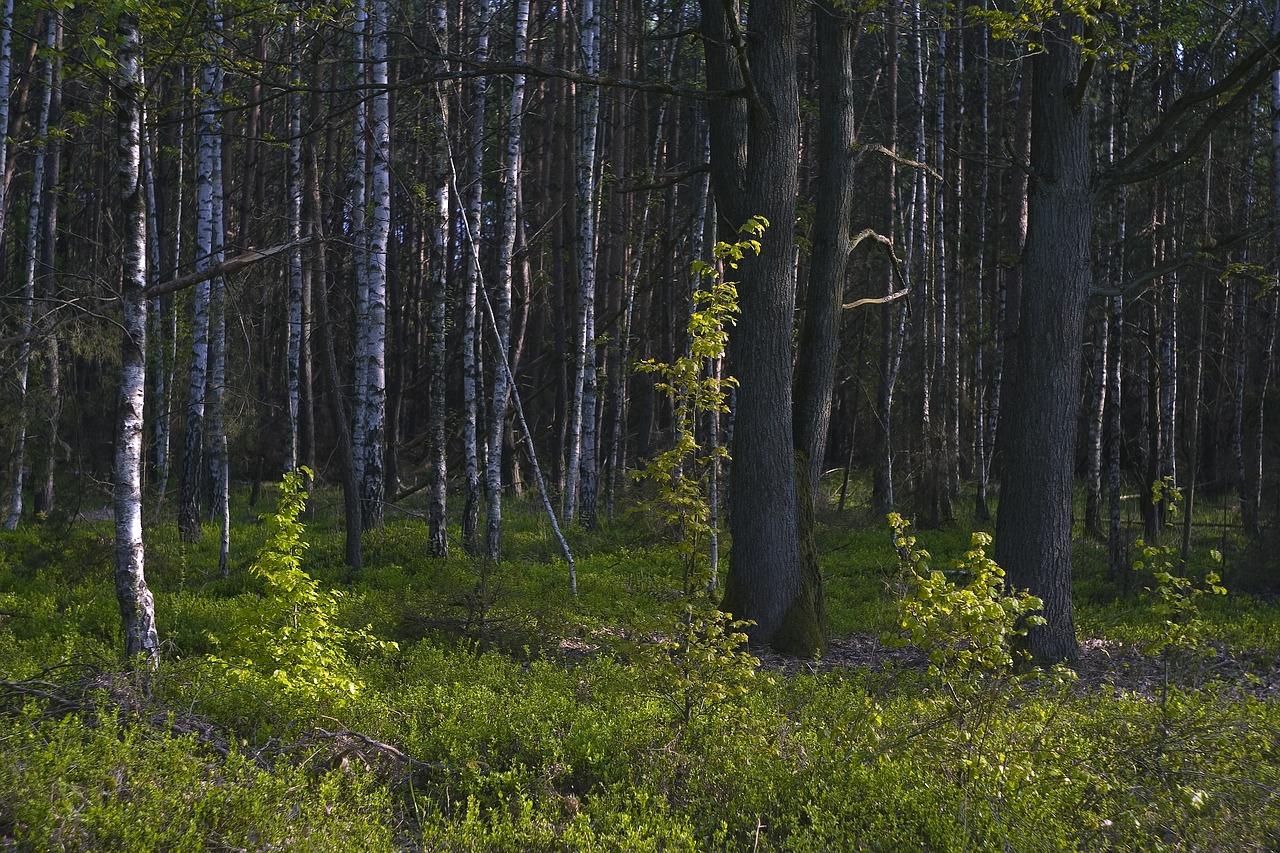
(580, 473)
(502, 301)
(137, 607)
(371, 392)
(35, 221)
(470, 287)
(208, 203)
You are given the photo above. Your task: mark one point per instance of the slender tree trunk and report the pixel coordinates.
(1094, 425)
(368, 436)
(819, 343)
(6, 65)
(894, 322)
(582, 484)
(502, 310)
(47, 291)
(137, 607)
(437, 297)
(294, 188)
(982, 449)
(35, 219)
(209, 152)
(337, 409)
(471, 284)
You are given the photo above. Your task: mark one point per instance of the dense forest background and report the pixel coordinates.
(416, 246)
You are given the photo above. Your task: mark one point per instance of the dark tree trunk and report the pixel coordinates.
(1033, 530)
(754, 146)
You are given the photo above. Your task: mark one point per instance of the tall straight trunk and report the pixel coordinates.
(1033, 529)
(1115, 436)
(582, 483)
(470, 288)
(1115, 355)
(1005, 384)
(164, 310)
(294, 190)
(337, 409)
(1094, 424)
(35, 219)
(47, 290)
(502, 306)
(6, 66)
(209, 126)
(754, 148)
(219, 460)
(894, 321)
(1251, 496)
(437, 316)
(1240, 315)
(982, 448)
(819, 343)
(137, 607)
(1192, 405)
(368, 435)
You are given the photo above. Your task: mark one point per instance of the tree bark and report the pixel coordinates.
(754, 149)
(1033, 530)
(137, 607)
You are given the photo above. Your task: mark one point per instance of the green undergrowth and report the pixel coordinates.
(509, 715)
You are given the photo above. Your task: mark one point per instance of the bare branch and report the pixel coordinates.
(227, 267)
(905, 288)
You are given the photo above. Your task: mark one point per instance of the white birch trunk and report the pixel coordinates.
(371, 393)
(437, 461)
(137, 608)
(471, 284)
(6, 65)
(208, 168)
(360, 239)
(581, 480)
(502, 309)
(294, 355)
(35, 217)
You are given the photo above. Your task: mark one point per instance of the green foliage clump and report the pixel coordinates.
(1175, 597)
(682, 471)
(300, 644)
(968, 632)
